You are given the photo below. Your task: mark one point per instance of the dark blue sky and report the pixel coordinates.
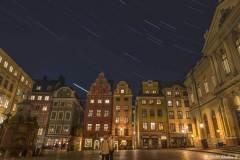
(130, 40)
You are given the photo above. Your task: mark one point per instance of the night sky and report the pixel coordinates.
(130, 40)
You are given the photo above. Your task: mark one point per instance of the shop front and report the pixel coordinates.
(154, 142)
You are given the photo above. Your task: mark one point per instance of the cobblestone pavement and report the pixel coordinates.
(168, 154)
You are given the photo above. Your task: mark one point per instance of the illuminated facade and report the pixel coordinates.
(122, 129)
(42, 99)
(65, 121)
(179, 120)
(15, 85)
(98, 113)
(151, 117)
(214, 83)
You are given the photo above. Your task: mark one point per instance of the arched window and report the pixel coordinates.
(206, 125)
(215, 125)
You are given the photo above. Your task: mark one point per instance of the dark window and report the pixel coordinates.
(152, 113)
(11, 87)
(186, 103)
(1, 80)
(126, 99)
(117, 131)
(190, 128)
(160, 113)
(117, 99)
(125, 132)
(144, 113)
(5, 85)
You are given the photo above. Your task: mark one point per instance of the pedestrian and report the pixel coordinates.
(105, 149)
(111, 147)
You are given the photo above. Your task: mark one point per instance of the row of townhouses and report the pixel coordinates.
(159, 118)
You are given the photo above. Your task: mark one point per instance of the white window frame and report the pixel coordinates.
(65, 116)
(59, 114)
(56, 115)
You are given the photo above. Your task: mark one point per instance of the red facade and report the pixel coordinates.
(98, 113)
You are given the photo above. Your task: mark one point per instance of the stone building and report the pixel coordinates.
(214, 83)
(18, 134)
(151, 117)
(122, 129)
(42, 100)
(179, 120)
(98, 113)
(15, 85)
(65, 121)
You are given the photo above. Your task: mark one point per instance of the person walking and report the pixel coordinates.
(111, 147)
(105, 149)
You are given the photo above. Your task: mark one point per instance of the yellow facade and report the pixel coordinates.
(151, 117)
(179, 120)
(214, 83)
(15, 85)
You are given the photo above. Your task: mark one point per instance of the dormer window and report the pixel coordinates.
(122, 91)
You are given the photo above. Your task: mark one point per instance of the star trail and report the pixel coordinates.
(130, 40)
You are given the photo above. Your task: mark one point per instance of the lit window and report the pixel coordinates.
(206, 86)
(46, 98)
(99, 101)
(159, 101)
(105, 127)
(32, 98)
(90, 113)
(117, 120)
(187, 114)
(0, 59)
(225, 64)
(44, 108)
(66, 129)
(88, 143)
(171, 115)
(26, 82)
(40, 131)
(177, 93)
(106, 113)
(153, 126)
(161, 126)
(144, 101)
(169, 93)
(118, 108)
(38, 88)
(170, 104)
(145, 126)
(98, 113)
(39, 98)
(11, 69)
(92, 101)
(22, 78)
(98, 126)
(178, 104)
(192, 97)
(89, 127)
(15, 73)
(151, 101)
(154, 91)
(5, 64)
(147, 92)
(122, 91)
(51, 129)
(107, 101)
